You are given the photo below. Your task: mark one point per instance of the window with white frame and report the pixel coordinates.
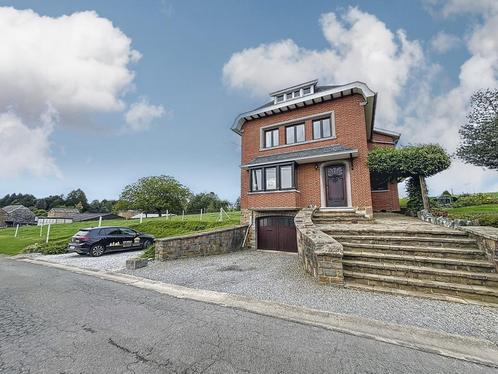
(294, 134)
(271, 138)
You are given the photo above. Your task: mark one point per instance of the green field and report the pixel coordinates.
(474, 209)
(159, 227)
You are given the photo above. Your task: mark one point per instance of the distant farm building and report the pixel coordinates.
(18, 215)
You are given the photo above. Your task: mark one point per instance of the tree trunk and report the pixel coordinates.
(424, 192)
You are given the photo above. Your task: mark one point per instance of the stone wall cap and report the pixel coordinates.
(201, 233)
(487, 232)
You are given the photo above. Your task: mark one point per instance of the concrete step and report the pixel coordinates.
(436, 252)
(332, 221)
(427, 261)
(371, 230)
(458, 242)
(421, 272)
(479, 293)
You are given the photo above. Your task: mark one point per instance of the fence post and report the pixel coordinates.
(100, 221)
(201, 215)
(183, 214)
(141, 217)
(17, 229)
(48, 233)
(41, 229)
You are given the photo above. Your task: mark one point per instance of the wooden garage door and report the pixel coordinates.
(277, 233)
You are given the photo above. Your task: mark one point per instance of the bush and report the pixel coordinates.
(475, 199)
(51, 248)
(149, 252)
(414, 203)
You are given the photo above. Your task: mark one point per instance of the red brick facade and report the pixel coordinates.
(350, 131)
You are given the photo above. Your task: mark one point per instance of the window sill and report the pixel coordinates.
(274, 191)
(297, 144)
(379, 191)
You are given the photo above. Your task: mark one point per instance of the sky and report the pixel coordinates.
(96, 94)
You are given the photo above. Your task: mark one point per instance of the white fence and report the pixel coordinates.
(53, 221)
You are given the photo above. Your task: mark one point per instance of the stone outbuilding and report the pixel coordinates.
(62, 212)
(18, 215)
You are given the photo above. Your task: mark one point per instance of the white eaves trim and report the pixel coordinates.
(387, 132)
(309, 159)
(336, 92)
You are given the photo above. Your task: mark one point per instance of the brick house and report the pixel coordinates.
(308, 146)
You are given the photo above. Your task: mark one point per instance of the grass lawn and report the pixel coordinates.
(474, 209)
(159, 227)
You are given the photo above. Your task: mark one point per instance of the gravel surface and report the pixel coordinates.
(107, 262)
(279, 277)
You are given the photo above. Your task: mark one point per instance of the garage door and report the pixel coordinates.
(277, 233)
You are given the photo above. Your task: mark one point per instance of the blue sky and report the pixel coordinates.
(189, 82)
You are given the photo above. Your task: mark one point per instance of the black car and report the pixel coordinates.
(99, 240)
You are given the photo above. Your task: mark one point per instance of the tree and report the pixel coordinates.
(208, 202)
(77, 197)
(414, 162)
(479, 136)
(156, 194)
(94, 206)
(236, 204)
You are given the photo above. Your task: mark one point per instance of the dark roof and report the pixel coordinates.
(11, 208)
(290, 156)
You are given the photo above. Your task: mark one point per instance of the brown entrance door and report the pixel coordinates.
(277, 233)
(335, 181)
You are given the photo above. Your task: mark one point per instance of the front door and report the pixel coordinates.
(277, 233)
(335, 185)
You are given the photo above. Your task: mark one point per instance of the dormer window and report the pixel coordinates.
(294, 92)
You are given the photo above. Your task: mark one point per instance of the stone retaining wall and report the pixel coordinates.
(320, 254)
(487, 240)
(427, 216)
(215, 242)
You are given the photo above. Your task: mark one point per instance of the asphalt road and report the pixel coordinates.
(54, 321)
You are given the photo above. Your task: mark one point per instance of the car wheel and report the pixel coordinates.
(146, 244)
(97, 250)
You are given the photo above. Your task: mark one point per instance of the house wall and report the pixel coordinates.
(384, 200)
(350, 130)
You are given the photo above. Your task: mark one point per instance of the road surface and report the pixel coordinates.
(55, 321)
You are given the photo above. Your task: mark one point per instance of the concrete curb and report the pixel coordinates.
(464, 348)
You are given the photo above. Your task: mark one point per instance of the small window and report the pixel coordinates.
(294, 134)
(297, 93)
(288, 95)
(271, 138)
(322, 128)
(378, 182)
(286, 177)
(280, 98)
(306, 91)
(271, 178)
(256, 180)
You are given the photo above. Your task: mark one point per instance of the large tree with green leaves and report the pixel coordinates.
(208, 202)
(156, 194)
(479, 135)
(416, 162)
(77, 198)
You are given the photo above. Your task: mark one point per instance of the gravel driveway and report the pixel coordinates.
(279, 277)
(108, 262)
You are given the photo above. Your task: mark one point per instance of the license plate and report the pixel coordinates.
(71, 247)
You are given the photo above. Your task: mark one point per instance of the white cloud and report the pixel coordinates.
(443, 42)
(361, 48)
(76, 64)
(141, 114)
(25, 149)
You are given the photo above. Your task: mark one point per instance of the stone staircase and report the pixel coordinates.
(425, 261)
(339, 216)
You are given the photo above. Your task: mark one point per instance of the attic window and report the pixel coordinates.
(306, 90)
(280, 98)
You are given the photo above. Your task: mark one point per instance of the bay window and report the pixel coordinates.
(273, 178)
